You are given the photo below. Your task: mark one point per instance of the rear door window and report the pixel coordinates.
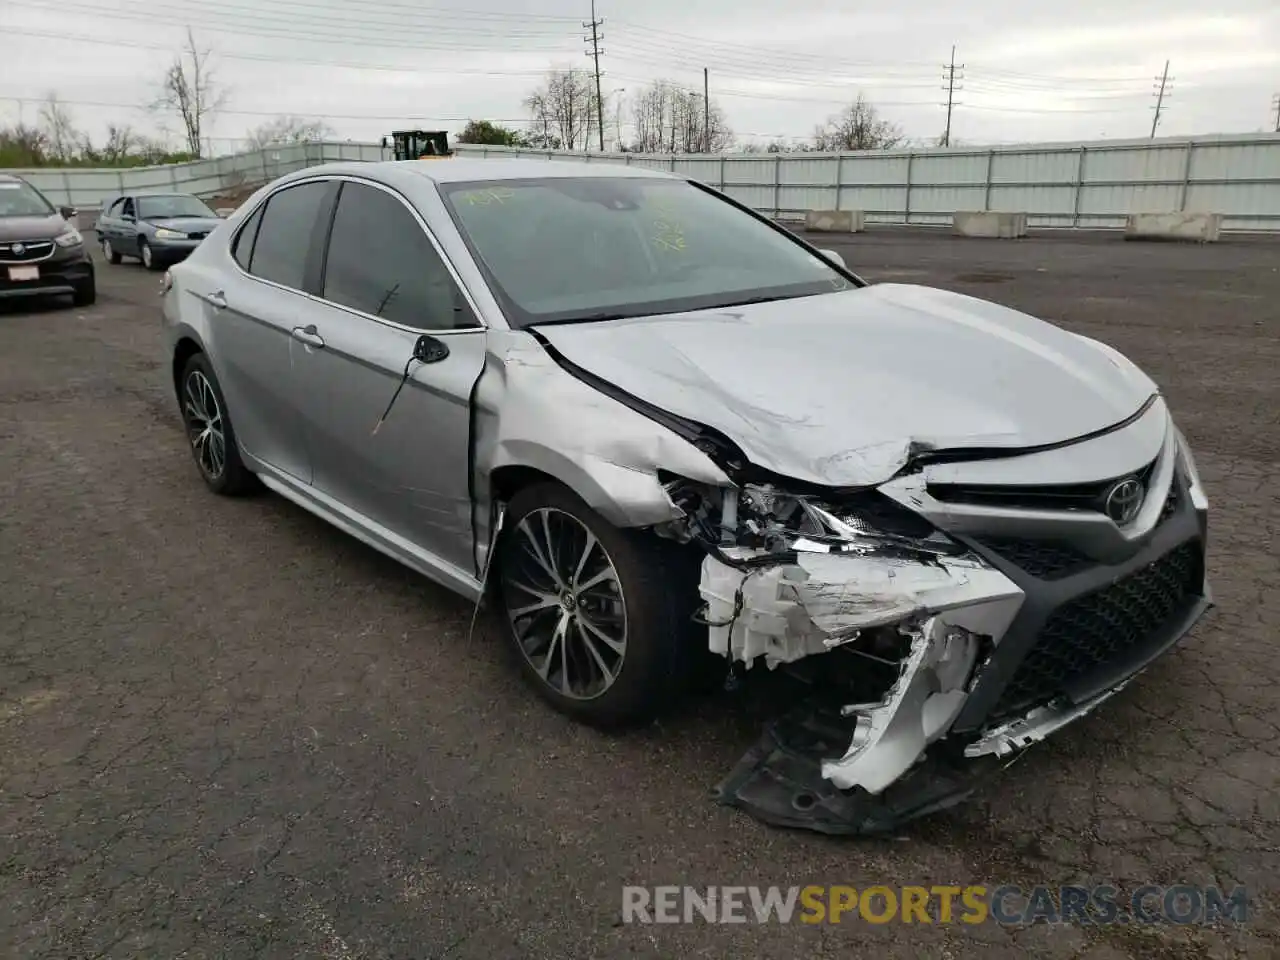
(243, 248)
(284, 235)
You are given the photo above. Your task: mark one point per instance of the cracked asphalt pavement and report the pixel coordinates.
(228, 730)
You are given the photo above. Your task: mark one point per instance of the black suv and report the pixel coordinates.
(41, 252)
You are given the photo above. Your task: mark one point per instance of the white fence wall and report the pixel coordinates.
(1090, 185)
(86, 188)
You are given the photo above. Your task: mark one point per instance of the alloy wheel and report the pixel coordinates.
(565, 603)
(106, 249)
(205, 428)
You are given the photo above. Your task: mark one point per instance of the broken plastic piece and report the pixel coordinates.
(918, 709)
(1036, 725)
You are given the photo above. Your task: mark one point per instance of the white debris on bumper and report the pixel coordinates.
(788, 611)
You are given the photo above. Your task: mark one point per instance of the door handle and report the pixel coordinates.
(216, 299)
(308, 335)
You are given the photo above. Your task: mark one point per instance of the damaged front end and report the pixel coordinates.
(904, 615)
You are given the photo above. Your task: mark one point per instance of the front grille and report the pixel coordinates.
(30, 250)
(1094, 630)
(198, 235)
(1073, 496)
(1043, 559)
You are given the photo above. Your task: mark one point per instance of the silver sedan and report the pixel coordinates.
(660, 433)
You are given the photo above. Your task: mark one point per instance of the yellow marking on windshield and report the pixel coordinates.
(670, 233)
(485, 198)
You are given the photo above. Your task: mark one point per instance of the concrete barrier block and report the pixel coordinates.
(1201, 227)
(834, 221)
(987, 223)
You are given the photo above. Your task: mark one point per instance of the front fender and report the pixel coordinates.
(529, 412)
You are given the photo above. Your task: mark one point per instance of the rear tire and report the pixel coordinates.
(603, 629)
(209, 431)
(110, 253)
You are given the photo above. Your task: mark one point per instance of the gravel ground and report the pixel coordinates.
(227, 730)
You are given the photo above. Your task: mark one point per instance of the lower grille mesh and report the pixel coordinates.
(1094, 630)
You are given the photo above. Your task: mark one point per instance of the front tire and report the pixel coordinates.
(209, 430)
(147, 256)
(86, 293)
(599, 618)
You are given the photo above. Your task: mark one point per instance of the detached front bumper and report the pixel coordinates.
(1004, 651)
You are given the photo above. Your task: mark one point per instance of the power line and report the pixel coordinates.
(343, 32)
(594, 53)
(276, 59)
(275, 113)
(1163, 80)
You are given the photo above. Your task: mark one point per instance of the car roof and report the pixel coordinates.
(459, 169)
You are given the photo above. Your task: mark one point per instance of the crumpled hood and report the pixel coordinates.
(186, 224)
(841, 389)
(31, 228)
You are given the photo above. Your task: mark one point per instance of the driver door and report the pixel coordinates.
(384, 285)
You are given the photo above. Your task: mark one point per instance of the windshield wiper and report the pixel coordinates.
(588, 318)
(751, 300)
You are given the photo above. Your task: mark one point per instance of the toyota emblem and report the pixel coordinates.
(1124, 500)
(19, 249)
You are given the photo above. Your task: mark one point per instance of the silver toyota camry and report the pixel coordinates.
(660, 433)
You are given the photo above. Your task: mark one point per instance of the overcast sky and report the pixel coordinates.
(1032, 71)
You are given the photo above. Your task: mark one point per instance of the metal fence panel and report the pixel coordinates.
(1092, 184)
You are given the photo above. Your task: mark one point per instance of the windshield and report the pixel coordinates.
(592, 248)
(172, 208)
(20, 199)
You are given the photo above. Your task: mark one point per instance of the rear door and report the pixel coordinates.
(258, 322)
(384, 284)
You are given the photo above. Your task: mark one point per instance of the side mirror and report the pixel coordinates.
(68, 213)
(834, 257)
(430, 350)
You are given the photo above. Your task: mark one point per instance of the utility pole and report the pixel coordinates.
(706, 112)
(594, 53)
(1163, 80)
(951, 88)
(1276, 100)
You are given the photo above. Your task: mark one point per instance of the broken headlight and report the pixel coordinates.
(759, 521)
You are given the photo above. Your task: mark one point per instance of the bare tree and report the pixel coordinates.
(23, 145)
(58, 126)
(858, 127)
(288, 129)
(122, 143)
(671, 119)
(190, 90)
(565, 106)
